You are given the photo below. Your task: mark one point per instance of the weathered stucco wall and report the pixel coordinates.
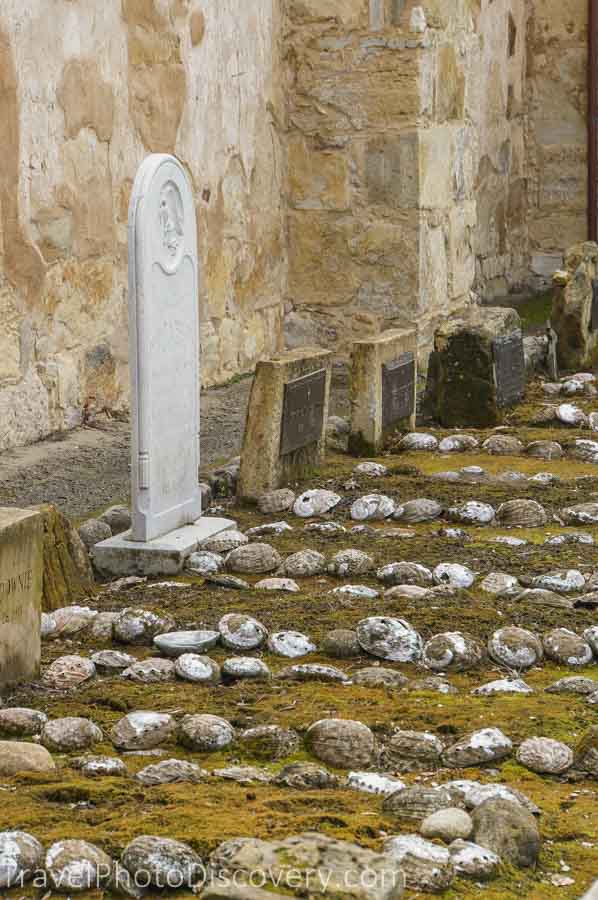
(86, 91)
(556, 142)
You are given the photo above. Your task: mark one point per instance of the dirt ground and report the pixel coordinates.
(85, 470)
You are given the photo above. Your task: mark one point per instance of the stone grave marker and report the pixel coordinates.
(286, 420)
(477, 368)
(21, 574)
(383, 388)
(165, 381)
(575, 309)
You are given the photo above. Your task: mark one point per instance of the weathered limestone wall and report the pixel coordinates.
(557, 135)
(86, 91)
(354, 220)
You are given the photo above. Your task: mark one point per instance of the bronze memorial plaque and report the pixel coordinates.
(594, 313)
(398, 389)
(509, 369)
(303, 412)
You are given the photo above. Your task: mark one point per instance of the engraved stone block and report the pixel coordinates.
(21, 573)
(383, 388)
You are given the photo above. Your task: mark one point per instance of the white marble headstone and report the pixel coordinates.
(164, 350)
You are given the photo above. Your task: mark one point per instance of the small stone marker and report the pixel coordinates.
(383, 388)
(575, 309)
(286, 420)
(477, 368)
(21, 574)
(165, 385)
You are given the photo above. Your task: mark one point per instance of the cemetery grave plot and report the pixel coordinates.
(110, 810)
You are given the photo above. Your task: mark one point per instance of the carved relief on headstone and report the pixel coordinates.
(164, 349)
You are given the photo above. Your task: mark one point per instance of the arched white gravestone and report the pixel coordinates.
(164, 349)
(165, 381)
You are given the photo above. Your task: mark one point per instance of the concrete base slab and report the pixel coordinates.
(165, 555)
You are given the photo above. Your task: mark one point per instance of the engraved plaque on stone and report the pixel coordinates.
(303, 412)
(398, 389)
(594, 312)
(509, 369)
(164, 350)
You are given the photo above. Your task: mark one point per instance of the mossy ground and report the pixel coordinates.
(111, 811)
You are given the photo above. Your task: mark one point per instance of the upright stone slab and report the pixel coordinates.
(286, 420)
(21, 573)
(575, 309)
(383, 388)
(477, 368)
(165, 384)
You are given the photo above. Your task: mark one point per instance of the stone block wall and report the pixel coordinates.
(556, 141)
(87, 90)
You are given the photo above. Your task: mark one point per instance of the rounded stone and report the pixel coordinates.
(582, 514)
(107, 662)
(140, 626)
(453, 574)
(93, 531)
(503, 445)
(570, 414)
(478, 748)
(350, 564)
(591, 636)
(150, 671)
(118, 519)
(175, 643)
(21, 855)
(69, 734)
(500, 584)
(567, 648)
(100, 766)
(411, 751)
(452, 651)
(304, 564)
(278, 584)
(473, 861)
(307, 777)
(374, 783)
(522, 514)
(586, 752)
(458, 443)
(545, 756)
(315, 503)
(391, 639)
(341, 643)
(142, 730)
(313, 672)
(241, 632)
(370, 470)
(253, 559)
(162, 862)
(372, 507)
(448, 825)
(421, 510)
(404, 573)
(508, 830)
(341, 743)
(516, 648)
(357, 591)
(71, 620)
(275, 502)
(269, 742)
(204, 562)
(171, 771)
(74, 865)
(427, 867)
(544, 450)
(225, 541)
(290, 644)
(239, 667)
(417, 440)
(380, 677)
(24, 756)
(69, 672)
(408, 592)
(197, 669)
(473, 512)
(20, 721)
(565, 582)
(205, 733)
(502, 686)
